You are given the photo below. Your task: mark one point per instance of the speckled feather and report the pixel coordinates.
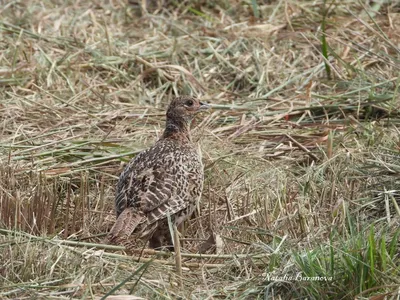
(164, 179)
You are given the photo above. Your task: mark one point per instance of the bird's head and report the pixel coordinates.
(185, 108)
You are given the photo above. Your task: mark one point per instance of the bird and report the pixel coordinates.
(161, 182)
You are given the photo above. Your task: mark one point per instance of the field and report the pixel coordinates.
(301, 147)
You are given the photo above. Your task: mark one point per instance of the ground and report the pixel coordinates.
(301, 148)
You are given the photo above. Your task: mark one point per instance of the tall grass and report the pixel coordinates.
(301, 171)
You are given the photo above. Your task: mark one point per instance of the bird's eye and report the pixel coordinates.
(189, 103)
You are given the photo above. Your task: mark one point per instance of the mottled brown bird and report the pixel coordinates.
(166, 179)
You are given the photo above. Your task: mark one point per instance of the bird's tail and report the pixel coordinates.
(125, 225)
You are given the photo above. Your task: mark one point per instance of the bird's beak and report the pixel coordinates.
(204, 106)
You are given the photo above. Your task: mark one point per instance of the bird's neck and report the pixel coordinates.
(177, 129)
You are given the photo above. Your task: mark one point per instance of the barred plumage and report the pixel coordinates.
(164, 179)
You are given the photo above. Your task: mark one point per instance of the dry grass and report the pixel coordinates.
(301, 149)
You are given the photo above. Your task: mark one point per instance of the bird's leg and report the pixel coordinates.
(169, 244)
(161, 238)
(155, 242)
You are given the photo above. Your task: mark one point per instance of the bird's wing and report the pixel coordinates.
(162, 192)
(155, 190)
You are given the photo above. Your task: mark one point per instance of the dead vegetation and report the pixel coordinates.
(301, 149)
